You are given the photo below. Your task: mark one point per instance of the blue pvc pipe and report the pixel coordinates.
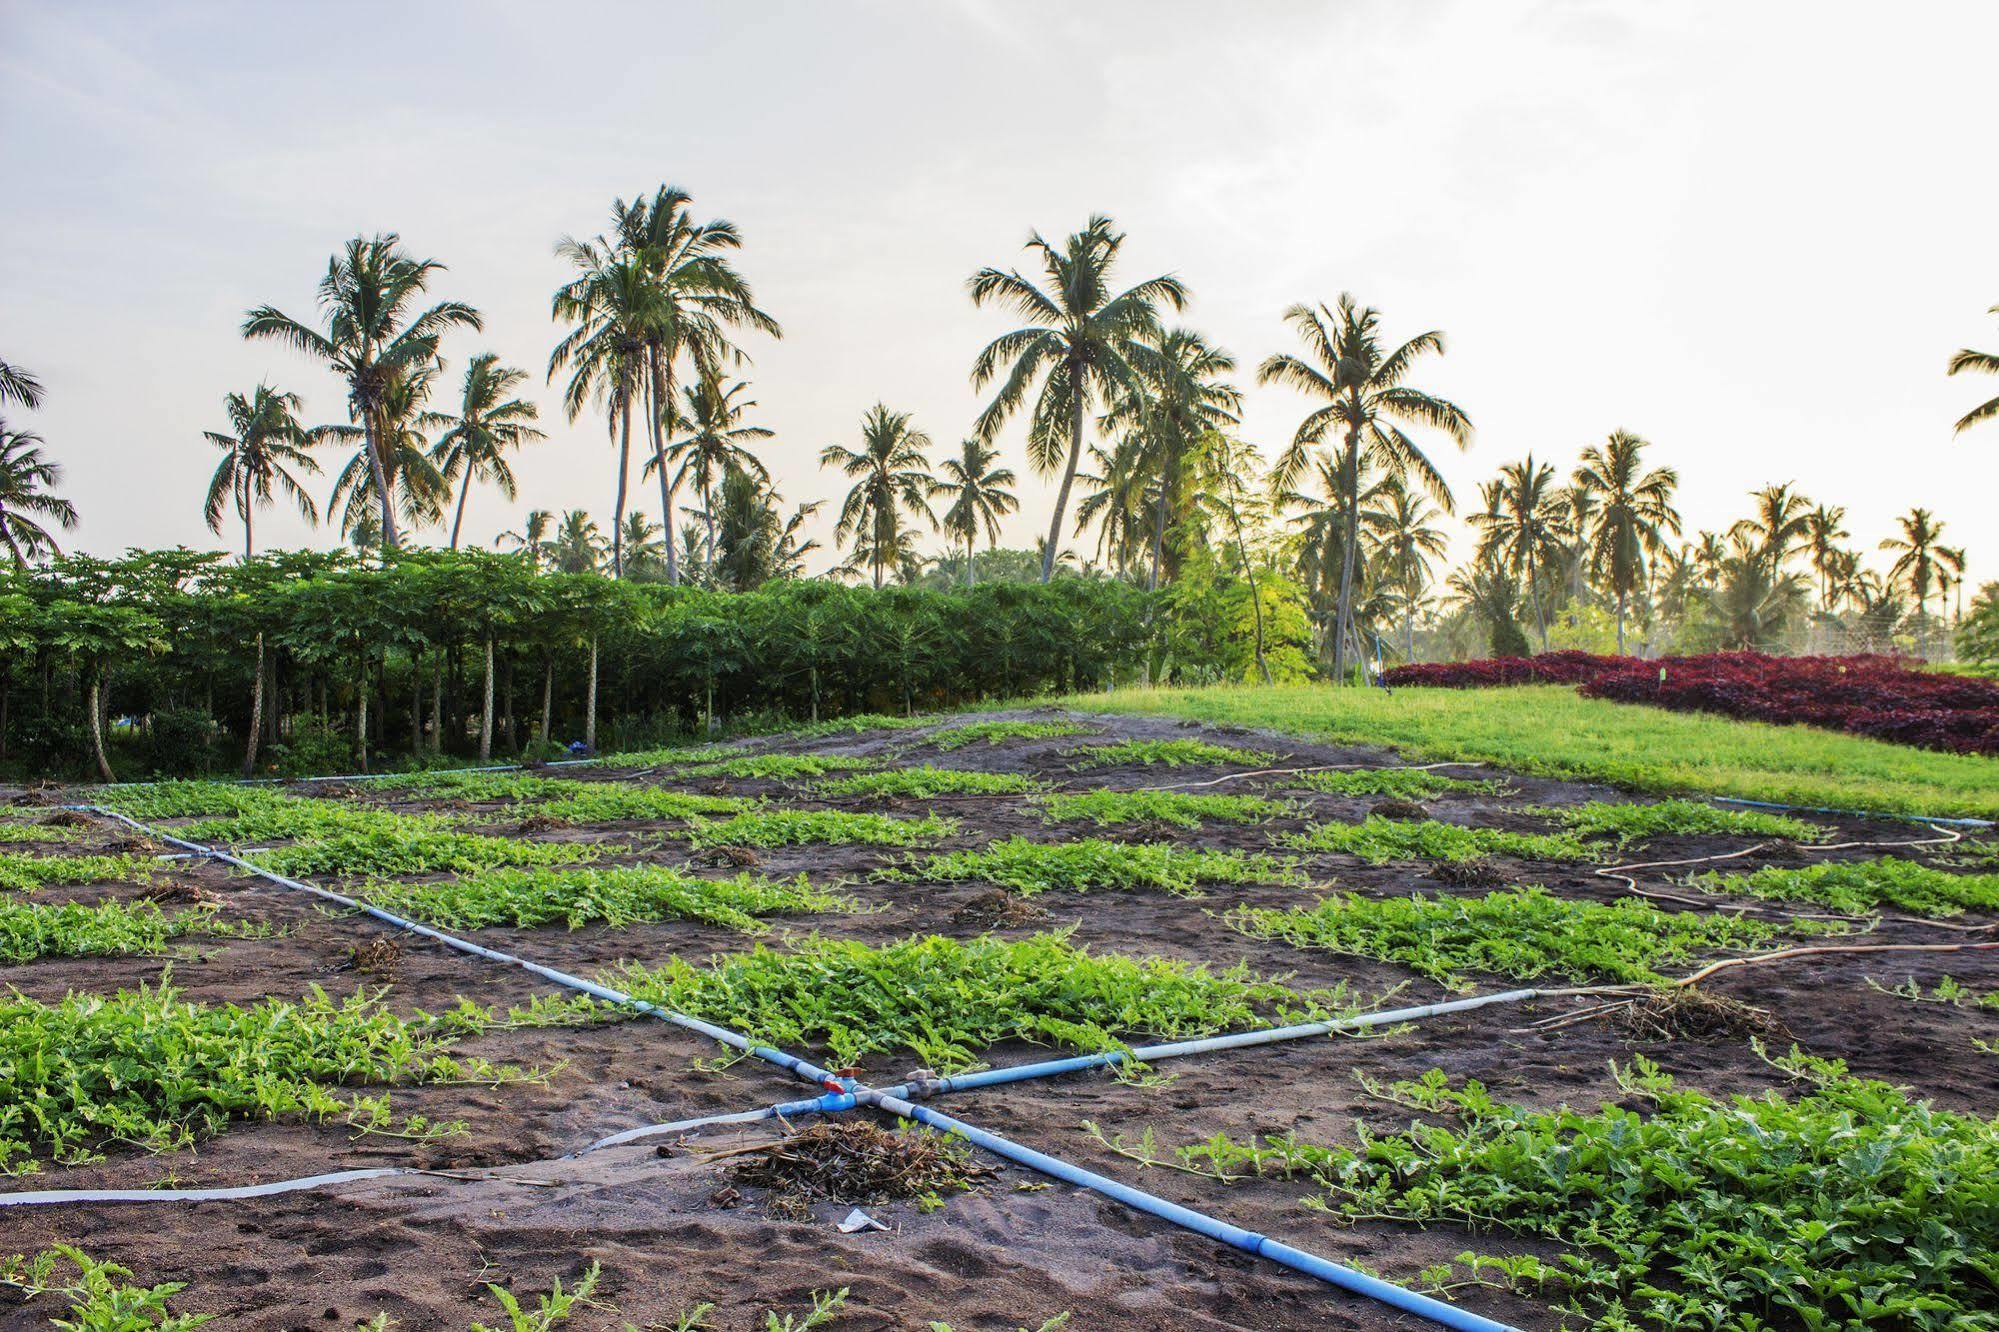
(1857, 813)
(1249, 1241)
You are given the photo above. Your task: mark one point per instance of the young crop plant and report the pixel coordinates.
(31, 931)
(1625, 823)
(925, 783)
(945, 1001)
(1097, 863)
(147, 801)
(781, 767)
(615, 896)
(13, 831)
(1164, 753)
(156, 1071)
(1380, 840)
(471, 784)
(1180, 809)
(1522, 934)
(999, 732)
(1405, 783)
(1849, 1206)
(614, 802)
(818, 827)
(23, 873)
(1860, 887)
(100, 1297)
(666, 756)
(550, 1309)
(304, 819)
(417, 850)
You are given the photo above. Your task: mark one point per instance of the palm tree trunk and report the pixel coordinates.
(1620, 620)
(1249, 573)
(379, 471)
(486, 712)
(547, 697)
(95, 702)
(1350, 543)
(970, 555)
(437, 706)
(1158, 530)
(624, 472)
(458, 521)
(1534, 595)
(361, 717)
(256, 711)
(590, 700)
(249, 544)
(662, 405)
(708, 512)
(1068, 472)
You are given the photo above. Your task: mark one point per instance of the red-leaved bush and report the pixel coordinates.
(1866, 695)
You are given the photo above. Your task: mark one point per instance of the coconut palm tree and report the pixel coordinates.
(371, 339)
(1980, 363)
(532, 538)
(1824, 530)
(578, 545)
(257, 459)
(1780, 524)
(17, 385)
(1524, 533)
(27, 479)
(980, 494)
(1117, 489)
(1918, 564)
(1754, 597)
(756, 544)
(1366, 403)
(1078, 341)
(699, 300)
(488, 424)
(614, 307)
(402, 416)
(717, 440)
(1407, 541)
(1632, 516)
(1179, 399)
(645, 548)
(894, 475)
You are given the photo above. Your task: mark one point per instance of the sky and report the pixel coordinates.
(1751, 233)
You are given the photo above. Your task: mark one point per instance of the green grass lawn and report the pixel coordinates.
(1549, 731)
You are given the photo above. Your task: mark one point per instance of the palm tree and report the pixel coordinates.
(1780, 525)
(1753, 595)
(1977, 362)
(475, 442)
(1078, 340)
(578, 546)
(698, 298)
(1178, 400)
(256, 459)
(1950, 565)
(1118, 486)
(1918, 565)
(614, 306)
(371, 340)
(17, 385)
(1823, 533)
(980, 496)
(402, 416)
(1408, 540)
(532, 538)
(894, 475)
(1524, 532)
(645, 548)
(26, 480)
(1632, 517)
(1366, 402)
(717, 441)
(756, 545)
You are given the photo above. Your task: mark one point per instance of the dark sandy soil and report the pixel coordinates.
(660, 1216)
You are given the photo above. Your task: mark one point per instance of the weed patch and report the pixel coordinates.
(1858, 887)
(1522, 934)
(946, 1001)
(998, 732)
(1626, 823)
(1163, 753)
(823, 827)
(610, 896)
(923, 783)
(1181, 809)
(1095, 863)
(1379, 840)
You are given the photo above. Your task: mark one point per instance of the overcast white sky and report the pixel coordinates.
(1751, 232)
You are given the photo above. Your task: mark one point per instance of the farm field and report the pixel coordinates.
(905, 902)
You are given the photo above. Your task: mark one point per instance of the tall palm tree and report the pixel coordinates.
(1366, 404)
(27, 479)
(645, 548)
(19, 386)
(257, 459)
(475, 442)
(1918, 564)
(614, 306)
(1408, 541)
(894, 475)
(1179, 399)
(1524, 533)
(578, 546)
(1754, 597)
(1078, 340)
(532, 538)
(1981, 363)
(1117, 485)
(1824, 530)
(371, 339)
(757, 545)
(980, 494)
(402, 416)
(699, 299)
(717, 440)
(1632, 517)
(1779, 525)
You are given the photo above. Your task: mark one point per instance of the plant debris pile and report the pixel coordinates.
(853, 1161)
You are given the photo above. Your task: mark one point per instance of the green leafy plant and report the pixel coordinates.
(1408, 783)
(1948, 991)
(180, 800)
(101, 1296)
(29, 931)
(613, 896)
(289, 819)
(923, 783)
(1180, 809)
(1624, 822)
(826, 1306)
(999, 732)
(24, 873)
(1096, 863)
(421, 850)
(825, 827)
(1522, 934)
(1862, 886)
(12, 831)
(945, 1000)
(1379, 840)
(781, 767)
(1165, 753)
(551, 1307)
